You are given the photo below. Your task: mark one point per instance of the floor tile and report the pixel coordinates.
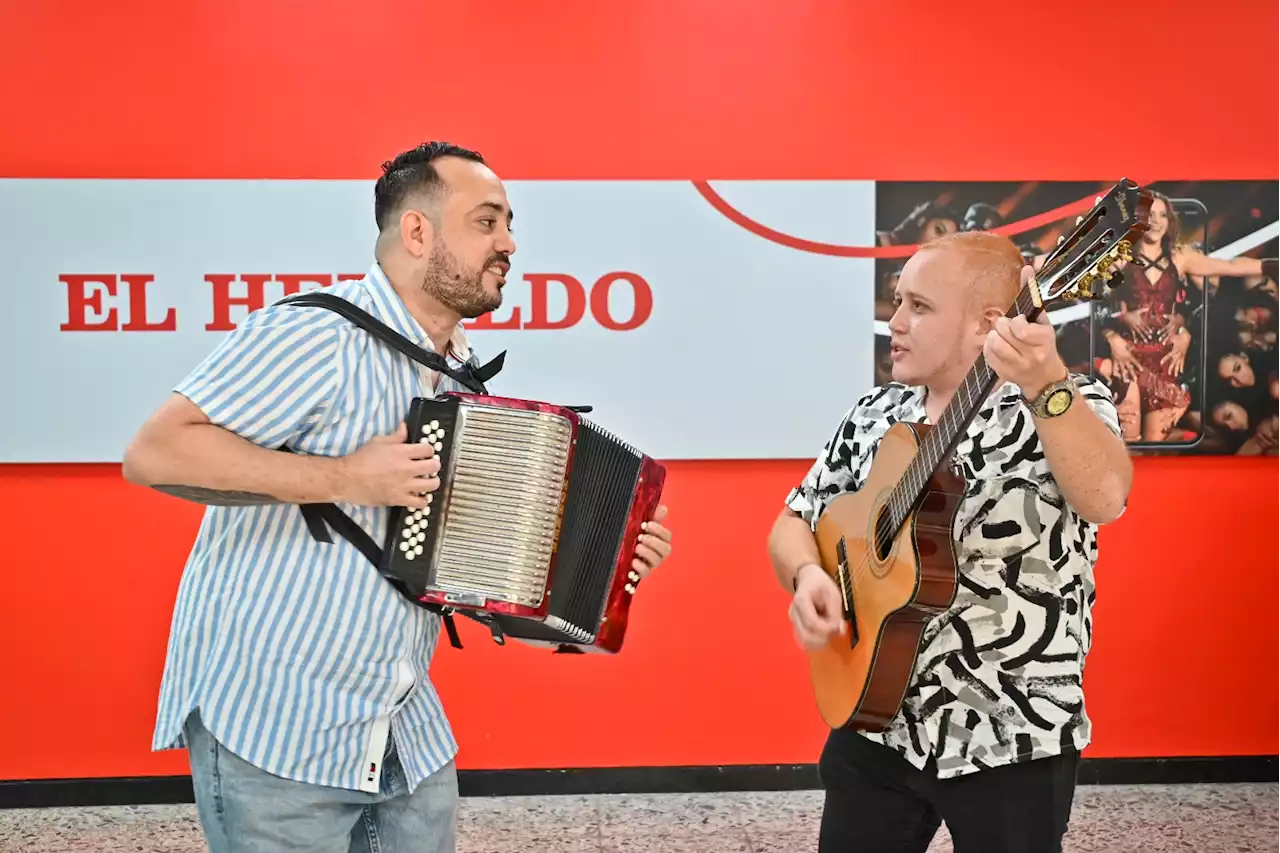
(1105, 819)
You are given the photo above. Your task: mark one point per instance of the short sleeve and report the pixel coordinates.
(831, 473)
(802, 499)
(270, 377)
(1099, 398)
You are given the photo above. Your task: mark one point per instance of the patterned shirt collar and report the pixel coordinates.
(911, 405)
(390, 309)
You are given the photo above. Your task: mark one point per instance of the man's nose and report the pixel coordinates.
(897, 322)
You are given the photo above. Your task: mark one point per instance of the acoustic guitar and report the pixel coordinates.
(889, 546)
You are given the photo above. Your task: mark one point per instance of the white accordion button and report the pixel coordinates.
(433, 426)
(633, 576)
(629, 588)
(438, 446)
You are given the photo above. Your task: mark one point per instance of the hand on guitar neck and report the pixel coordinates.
(1025, 353)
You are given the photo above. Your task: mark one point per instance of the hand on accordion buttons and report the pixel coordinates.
(654, 545)
(388, 470)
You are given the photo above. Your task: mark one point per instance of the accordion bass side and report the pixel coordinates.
(535, 524)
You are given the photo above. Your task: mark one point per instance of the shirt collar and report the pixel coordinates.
(1001, 394)
(390, 309)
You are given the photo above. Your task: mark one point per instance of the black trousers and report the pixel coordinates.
(878, 801)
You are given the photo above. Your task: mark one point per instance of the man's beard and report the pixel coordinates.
(457, 287)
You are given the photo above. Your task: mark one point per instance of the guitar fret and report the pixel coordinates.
(959, 412)
(978, 383)
(1080, 268)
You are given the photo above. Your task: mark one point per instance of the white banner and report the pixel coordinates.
(691, 337)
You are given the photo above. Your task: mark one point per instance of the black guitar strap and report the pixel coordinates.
(321, 517)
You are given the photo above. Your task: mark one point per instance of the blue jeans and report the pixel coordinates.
(246, 810)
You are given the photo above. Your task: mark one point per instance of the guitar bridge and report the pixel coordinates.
(846, 591)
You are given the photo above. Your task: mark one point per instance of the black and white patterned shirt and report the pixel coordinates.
(999, 675)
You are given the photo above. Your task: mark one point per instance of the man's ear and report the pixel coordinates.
(989, 318)
(417, 232)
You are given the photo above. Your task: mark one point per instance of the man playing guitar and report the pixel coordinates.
(989, 732)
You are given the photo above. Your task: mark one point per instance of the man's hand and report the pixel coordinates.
(389, 471)
(1136, 320)
(1025, 354)
(1176, 358)
(817, 611)
(1124, 365)
(655, 544)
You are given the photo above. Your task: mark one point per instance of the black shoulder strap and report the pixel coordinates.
(319, 515)
(472, 378)
(322, 516)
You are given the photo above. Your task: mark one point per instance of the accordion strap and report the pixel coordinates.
(320, 517)
(470, 377)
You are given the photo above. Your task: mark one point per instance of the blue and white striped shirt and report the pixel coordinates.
(300, 657)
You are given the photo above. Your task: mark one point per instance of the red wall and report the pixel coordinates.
(1185, 659)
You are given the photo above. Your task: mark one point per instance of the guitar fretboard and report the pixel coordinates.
(941, 441)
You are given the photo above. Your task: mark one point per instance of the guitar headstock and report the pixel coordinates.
(1083, 263)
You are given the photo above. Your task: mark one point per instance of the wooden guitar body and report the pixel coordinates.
(860, 678)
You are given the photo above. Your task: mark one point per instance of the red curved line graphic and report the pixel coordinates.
(743, 221)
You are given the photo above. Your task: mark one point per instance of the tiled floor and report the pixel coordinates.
(1120, 819)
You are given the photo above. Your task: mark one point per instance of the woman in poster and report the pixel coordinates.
(1149, 335)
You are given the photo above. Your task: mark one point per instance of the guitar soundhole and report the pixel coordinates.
(884, 534)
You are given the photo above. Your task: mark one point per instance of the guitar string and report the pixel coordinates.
(926, 460)
(914, 480)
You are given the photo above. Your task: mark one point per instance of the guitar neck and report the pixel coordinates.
(941, 440)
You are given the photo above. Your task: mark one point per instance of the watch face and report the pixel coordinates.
(1058, 402)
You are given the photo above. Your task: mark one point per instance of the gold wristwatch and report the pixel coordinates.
(1053, 400)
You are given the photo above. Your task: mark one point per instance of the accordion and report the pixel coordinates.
(534, 526)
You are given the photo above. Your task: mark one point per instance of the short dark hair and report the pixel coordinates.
(412, 171)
